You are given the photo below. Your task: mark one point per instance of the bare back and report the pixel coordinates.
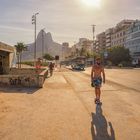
(97, 71)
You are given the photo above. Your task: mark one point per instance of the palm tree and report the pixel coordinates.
(20, 47)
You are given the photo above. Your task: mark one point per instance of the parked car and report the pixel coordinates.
(78, 66)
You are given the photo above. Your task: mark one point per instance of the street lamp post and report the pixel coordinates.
(62, 52)
(93, 30)
(34, 22)
(43, 42)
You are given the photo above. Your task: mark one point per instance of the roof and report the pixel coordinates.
(6, 47)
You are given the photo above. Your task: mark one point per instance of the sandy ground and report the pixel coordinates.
(64, 110)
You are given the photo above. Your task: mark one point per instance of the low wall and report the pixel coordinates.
(42, 77)
(24, 77)
(23, 71)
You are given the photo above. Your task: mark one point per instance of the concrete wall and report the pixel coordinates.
(24, 71)
(24, 77)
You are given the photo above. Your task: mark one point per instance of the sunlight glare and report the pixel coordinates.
(94, 3)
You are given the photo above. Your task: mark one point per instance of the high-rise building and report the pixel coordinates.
(133, 40)
(88, 45)
(83, 43)
(119, 33)
(108, 34)
(101, 41)
(65, 50)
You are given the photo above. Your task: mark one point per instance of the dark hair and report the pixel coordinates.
(98, 58)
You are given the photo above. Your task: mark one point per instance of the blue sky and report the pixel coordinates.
(67, 20)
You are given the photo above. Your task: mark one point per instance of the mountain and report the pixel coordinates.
(50, 47)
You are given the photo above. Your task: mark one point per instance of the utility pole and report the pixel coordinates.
(34, 22)
(62, 52)
(43, 42)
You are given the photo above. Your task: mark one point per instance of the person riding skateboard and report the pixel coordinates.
(97, 76)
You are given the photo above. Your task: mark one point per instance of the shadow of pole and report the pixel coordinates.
(99, 126)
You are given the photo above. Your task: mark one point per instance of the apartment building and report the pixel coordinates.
(100, 42)
(119, 33)
(83, 43)
(108, 34)
(133, 40)
(66, 50)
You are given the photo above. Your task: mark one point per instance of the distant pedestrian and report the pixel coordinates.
(97, 76)
(51, 68)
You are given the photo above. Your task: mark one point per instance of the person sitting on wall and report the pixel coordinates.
(38, 63)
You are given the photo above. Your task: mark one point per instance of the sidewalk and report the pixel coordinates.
(70, 119)
(51, 113)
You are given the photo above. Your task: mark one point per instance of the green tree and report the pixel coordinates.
(83, 52)
(20, 47)
(48, 57)
(92, 55)
(88, 55)
(118, 55)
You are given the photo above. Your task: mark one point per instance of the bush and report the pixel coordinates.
(48, 57)
(120, 65)
(28, 63)
(45, 64)
(118, 55)
(109, 63)
(126, 64)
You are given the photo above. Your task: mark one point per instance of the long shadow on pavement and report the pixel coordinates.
(18, 90)
(99, 126)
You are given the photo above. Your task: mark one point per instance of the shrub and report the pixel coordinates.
(120, 65)
(126, 64)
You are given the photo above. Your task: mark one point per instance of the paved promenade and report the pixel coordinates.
(64, 109)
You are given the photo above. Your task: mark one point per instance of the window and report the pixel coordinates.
(135, 29)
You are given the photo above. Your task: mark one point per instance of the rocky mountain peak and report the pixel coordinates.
(50, 46)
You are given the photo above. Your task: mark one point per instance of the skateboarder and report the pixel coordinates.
(97, 76)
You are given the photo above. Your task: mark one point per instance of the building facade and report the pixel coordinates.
(100, 42)
(119, 33)
(108, 34)
(133, 40)
(66, 50)
(88, 45)
(6, 57)
(83, 43)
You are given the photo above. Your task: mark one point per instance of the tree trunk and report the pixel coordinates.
(20, 58)
(18, 61)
